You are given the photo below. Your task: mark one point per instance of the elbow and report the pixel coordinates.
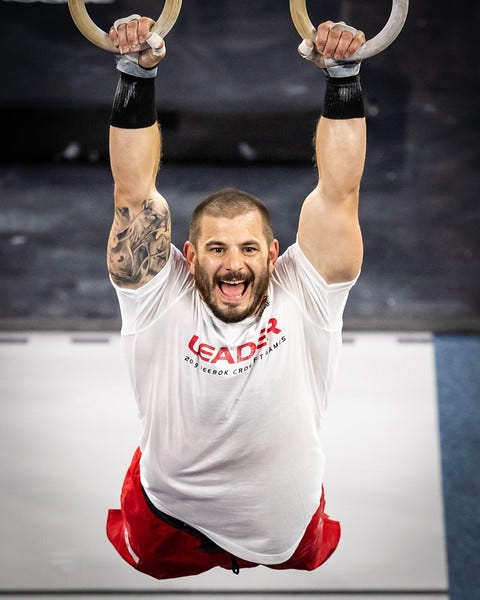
(123, 196)
(128, 195)
(343, 185)
(338, 195)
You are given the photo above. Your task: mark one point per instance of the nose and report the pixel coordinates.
(233, 260)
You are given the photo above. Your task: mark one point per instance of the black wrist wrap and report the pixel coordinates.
(134, 103)
(343, 98)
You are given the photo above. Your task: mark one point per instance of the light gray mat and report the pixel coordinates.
(68, 428)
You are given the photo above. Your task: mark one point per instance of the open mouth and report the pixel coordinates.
(233, 290)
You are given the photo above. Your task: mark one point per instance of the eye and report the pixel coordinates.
(249, 249)
(216, 250)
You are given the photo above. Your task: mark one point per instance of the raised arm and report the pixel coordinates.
(329, 231)
(139, 241)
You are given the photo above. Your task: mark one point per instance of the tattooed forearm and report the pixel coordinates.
(139, 245)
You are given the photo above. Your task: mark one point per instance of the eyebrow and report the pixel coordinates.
(223, 244)
(250, 243)
(214, 243)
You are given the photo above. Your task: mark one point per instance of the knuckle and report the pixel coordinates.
(360, 35)
(345, 40)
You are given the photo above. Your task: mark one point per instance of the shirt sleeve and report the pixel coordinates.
(141, 307)
(324, 303)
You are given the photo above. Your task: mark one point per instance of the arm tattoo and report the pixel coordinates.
(139, 246)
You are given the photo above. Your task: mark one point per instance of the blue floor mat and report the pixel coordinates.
(458, 381)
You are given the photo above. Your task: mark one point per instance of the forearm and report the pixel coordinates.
(329, 230)
(134, 160)
(135, 139)
(340, 146)
(340, 141)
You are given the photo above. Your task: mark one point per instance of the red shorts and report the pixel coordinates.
(158, 549)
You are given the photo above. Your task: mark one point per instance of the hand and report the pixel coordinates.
(133, 36)
(336, 41)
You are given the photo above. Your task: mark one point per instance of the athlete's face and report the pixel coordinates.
(232, 262)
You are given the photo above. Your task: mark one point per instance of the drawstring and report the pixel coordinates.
(235, 567)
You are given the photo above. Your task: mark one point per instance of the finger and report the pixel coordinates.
(344, 42)
(306, 49)
(356, 43)
(156, 44)
(144, 26)
(322, 35)
(132, 35)
(149, 59)
(112, 34)
(334, 36)
(122, 38)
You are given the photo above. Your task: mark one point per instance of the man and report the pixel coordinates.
(230, 348)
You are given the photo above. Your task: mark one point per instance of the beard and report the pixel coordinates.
(230, 312)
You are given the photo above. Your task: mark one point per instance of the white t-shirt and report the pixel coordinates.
(231, 413)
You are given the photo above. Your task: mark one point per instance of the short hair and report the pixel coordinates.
(229, 203)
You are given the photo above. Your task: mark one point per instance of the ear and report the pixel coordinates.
(190, 253)
(273, 254)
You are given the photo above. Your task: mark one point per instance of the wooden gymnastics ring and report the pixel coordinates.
(100, 38)
(375, 45)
